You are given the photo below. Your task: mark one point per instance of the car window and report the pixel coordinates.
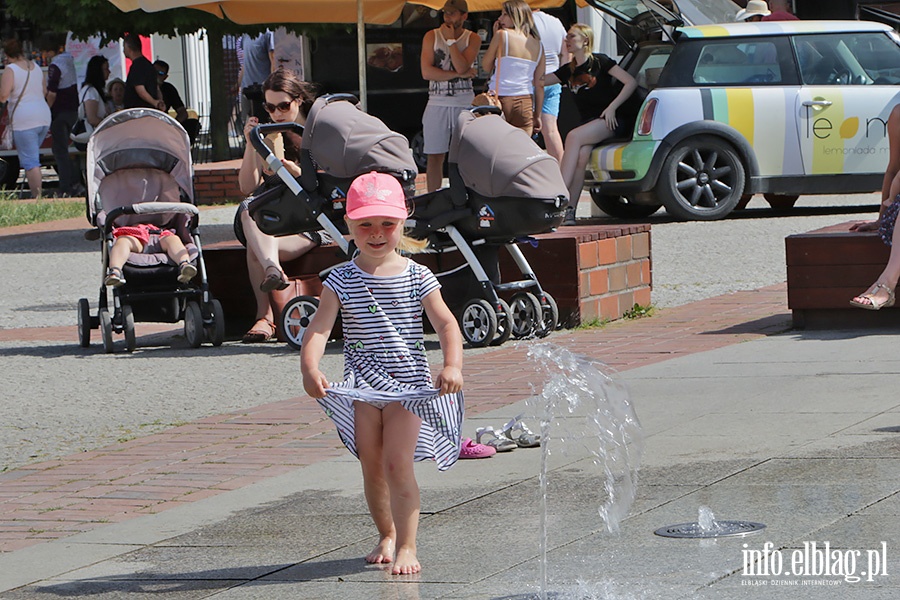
(737, 62)
(652, 66)
(848, 59)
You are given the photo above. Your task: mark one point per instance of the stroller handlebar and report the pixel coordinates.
(257, 138)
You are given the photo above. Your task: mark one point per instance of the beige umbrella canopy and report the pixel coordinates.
(374, 12)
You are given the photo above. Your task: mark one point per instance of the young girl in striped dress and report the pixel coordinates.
(387, 410)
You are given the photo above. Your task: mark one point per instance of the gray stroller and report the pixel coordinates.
(503, 188)
(140, 171)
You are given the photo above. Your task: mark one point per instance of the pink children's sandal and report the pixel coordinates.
(470, 449)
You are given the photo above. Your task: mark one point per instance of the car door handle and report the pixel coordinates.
(817, 103)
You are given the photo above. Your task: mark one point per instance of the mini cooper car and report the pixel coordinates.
(781, 108)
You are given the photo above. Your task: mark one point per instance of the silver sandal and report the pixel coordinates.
(499, 443)
(518, 432)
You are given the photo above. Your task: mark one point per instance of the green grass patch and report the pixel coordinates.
(595, 323)
(26, 212)
(638, 312)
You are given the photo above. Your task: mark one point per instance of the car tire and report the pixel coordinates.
(9, 172)
(620, 207)
(702, 179)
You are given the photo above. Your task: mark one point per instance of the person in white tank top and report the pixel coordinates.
(30, 112)
(448, 54)
(516, 50)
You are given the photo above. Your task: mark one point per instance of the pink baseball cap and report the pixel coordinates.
(376, 195)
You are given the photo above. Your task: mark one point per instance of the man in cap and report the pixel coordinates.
(448, 54)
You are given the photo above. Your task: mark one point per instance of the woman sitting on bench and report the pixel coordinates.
(881, 293)
(287, 98)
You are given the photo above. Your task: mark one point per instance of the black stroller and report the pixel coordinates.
(140, 171)
(504, 189)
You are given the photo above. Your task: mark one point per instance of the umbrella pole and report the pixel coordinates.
(361, 54)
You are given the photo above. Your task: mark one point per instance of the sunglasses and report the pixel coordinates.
(281, 106)
(162, 73)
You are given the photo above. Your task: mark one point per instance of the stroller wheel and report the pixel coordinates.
(526, 314)
(215, 331)
(193, 324)
(128, 325)
(295, 319)
(549, 315)
(504, 323)
(479, 322)
(106, 330)
(84, 323)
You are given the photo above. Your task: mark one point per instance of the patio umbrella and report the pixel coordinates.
(361, 12)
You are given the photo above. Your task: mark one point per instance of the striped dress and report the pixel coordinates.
(385, 361)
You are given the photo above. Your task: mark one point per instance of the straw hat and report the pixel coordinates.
(755, 8)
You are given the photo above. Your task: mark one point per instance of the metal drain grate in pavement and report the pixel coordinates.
(717, 529)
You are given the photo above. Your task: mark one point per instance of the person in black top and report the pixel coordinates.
(172, 100)
(604, 95)
(141, 90)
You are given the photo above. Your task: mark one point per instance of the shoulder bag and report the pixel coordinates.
(6, 140)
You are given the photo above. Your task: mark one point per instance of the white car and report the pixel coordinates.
(781, 108)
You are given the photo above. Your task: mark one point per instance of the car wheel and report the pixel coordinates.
(702, 179)
(417, 145)
(781, 201)
(620, 207)
(9, 172)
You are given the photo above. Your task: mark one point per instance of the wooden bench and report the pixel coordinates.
(829, 266)
(593, 272)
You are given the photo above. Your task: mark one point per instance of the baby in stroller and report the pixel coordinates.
(141, 202)
(138, 238)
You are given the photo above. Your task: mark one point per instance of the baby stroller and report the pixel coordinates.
(473, 218)
(139, 171)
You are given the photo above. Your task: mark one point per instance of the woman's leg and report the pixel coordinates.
(888, 278)
(574, 159)
(401, 428)
(35, 182)
(369, 445)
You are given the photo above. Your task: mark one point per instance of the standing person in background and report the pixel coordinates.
(553, 41)
(24, 87)
(604, 95)
(781, 11)
(62, 97)
(516, 58)
(141, 89)
(448, 54)
(756, 10)
(172, 100)
(259, 63)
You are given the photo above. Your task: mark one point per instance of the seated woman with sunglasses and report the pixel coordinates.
(287, 98)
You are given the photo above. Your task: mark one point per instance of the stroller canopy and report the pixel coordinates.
(139, 138)
(496, 159)
(346, 142)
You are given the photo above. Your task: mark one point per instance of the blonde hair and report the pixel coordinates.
(586, 32)
(519, 13)
(409, 245)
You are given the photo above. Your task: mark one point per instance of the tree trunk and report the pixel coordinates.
(219, 106)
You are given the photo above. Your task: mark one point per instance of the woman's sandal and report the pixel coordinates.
(497, 442)
(873, 304)
(275, 280)
(186, 271)
(516, 431)
(114, 277)
(262, 331)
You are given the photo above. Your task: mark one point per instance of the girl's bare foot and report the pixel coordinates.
(383, 552)
(406, 562)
